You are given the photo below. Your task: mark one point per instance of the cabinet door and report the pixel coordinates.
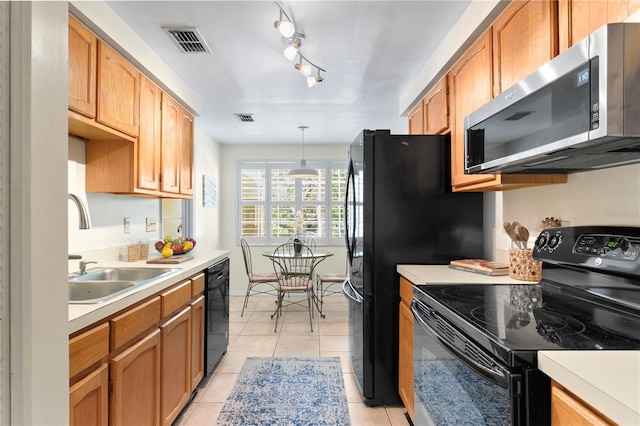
(197, 341)
(416, 120)
(405, 358)
(82, 69)
(135, 375)
(569, 410)
(579, 18)
(118, 91)
(186, 152)
(525, 37)
(170, 158)
(470, 84)
(89, 399)
(176, 365)
(436, 109)
(147, 153)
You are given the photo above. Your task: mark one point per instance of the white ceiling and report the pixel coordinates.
(371, 50)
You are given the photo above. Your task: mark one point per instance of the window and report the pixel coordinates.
(274, 207)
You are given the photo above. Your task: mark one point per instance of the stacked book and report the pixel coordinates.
(480, 266)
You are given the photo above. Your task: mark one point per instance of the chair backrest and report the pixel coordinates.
(246, 253)
(293, 267)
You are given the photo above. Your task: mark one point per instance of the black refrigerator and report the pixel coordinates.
(399, 210)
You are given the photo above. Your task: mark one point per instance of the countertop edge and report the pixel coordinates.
(561, 367)
(84, 315)
(443, 274)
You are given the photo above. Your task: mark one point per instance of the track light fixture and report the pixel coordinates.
(305, 69)
(293, 41)
(286, 28)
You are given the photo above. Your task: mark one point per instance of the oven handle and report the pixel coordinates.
(497, 377)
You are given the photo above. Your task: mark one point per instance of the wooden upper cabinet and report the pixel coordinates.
(118, 91)
(82, 69)
(471, 87)
(525, 37)
(170, 158)
(416, 120)
(148, 148)
(177, 148)
(186, 152)
(579, 18)
(436, 109)
(431, 115)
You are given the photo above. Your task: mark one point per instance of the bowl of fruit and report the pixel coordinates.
(170, 246)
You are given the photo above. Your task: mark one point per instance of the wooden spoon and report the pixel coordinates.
(522, 234)
(509, 229)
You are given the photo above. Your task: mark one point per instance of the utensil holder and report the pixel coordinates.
(144, 250)
(133, 253)
(522, 266)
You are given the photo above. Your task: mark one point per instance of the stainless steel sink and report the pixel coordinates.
(123, 274)
(96, 291)
(99, 285)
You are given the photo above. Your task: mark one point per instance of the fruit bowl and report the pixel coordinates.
(169, 246)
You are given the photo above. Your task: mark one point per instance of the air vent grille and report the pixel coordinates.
(188, 40)
(244, 117)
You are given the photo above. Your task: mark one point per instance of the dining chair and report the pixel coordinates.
(259, 283)
(288, 264)
(325, 286)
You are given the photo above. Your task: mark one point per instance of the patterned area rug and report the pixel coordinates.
(287, 391)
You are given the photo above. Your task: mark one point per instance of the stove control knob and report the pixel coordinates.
(541, 241)
(554, 241)
(623, 244)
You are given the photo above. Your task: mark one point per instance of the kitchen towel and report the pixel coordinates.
(287, 391)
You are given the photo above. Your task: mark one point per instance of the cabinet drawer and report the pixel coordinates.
(197, 285)
(406, 290)
(175, 298)
(134, 322)
(88, 348)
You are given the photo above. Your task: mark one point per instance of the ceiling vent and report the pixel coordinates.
(247, 118)
(188, 40)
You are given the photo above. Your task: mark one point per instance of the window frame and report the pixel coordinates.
(328, 203)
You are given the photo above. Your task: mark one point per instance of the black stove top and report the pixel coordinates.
(584, 304)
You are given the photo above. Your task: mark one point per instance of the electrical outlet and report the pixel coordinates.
(127, 225)
(151, 224)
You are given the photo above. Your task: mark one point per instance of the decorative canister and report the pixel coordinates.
(522, 266)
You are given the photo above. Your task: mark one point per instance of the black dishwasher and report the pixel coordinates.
(216, 292)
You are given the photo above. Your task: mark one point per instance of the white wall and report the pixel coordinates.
(231, 154)
(207, 219)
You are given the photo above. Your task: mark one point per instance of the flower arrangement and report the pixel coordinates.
(299, 225)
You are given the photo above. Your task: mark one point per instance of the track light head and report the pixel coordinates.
(286, 28)
(293, 43)
(305, 69)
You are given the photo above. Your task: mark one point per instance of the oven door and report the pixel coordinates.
(455, 381)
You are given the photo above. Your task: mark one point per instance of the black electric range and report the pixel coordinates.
(588, 299)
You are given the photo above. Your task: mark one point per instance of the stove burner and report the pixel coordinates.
(555, 327)
(458, 293)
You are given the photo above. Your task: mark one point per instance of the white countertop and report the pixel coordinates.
(83, 315)
(607, 380)
(443, 274)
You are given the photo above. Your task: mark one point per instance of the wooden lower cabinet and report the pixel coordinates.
(135, 377)
(176, 364)
(567, 409)
(141, 365)
(89, 399)
(197, 341)
(405, 345)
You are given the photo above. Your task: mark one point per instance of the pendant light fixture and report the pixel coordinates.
(303, 172)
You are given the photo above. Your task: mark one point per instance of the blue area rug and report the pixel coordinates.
(287, 391)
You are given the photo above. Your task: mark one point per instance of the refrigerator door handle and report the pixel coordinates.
(349, 238)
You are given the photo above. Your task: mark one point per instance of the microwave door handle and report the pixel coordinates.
(497, 377)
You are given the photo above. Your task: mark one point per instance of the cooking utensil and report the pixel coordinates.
(509, 229)
(522, 234)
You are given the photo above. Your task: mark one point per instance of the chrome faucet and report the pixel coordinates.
(83, 265)
(85, 223)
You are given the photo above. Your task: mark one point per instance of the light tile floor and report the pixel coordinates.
(253, 335)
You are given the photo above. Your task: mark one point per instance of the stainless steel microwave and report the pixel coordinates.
(578, 112)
